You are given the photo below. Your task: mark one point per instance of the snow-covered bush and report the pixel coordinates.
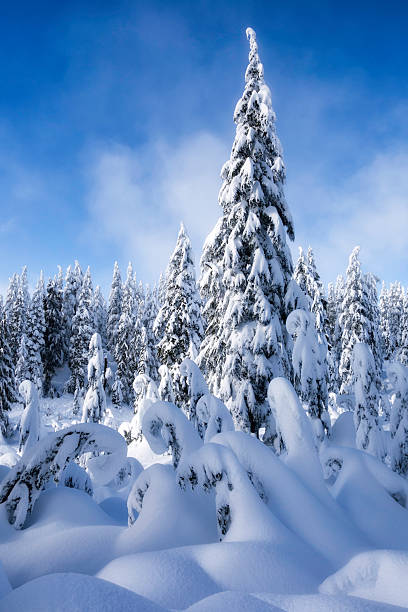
(25, 481)
(158, 475)
(30, 419)
(75, 477)
(166, 389)
(213, 416)
(166, 428)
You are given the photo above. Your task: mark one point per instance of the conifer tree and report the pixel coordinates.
(384, 327)
(7, 380)
(373, 322)
(73, 284)
(249, 263)
(22, 370)
(114, 308)
(95, 400)
(364, 378)
(403, 349)
(100, 314)
(397, 375)
(178, 325)
(53, 349)
(16, 311)
(35, 335)
(353, 318)
(318, 301)
(148, 362)
(82, 331)
(301, 273)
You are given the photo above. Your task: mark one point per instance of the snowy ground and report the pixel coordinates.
(295, 541)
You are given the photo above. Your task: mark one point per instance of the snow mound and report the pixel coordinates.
(231, 600)
(74, 593)
(380, 575)
(169, 578)
(324, 603)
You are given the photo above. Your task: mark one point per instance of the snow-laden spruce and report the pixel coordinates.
(178, 326)
(309, 369)
(35, 335)
(30, 419)
(95, 399)
(114, 308)
(7, 380)
(246, 265)
(82, 330)
(366, 398)
(53, 349)
(397, 376)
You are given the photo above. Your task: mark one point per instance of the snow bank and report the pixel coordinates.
(380, 575)
(74, 592)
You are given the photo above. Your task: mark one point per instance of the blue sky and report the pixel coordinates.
(115, 119)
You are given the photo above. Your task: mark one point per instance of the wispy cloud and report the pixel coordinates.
(137, 198)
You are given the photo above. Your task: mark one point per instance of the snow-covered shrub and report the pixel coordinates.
(213, 416)
(46, 460)
(166, 427)
(240, 512)
(75, 477)
(310, 369)
(156, 474)
(30, 419)
(95, 399)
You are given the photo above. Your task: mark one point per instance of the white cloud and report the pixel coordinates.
(137, 198)
(369, 209)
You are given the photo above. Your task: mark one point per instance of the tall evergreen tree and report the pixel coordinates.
(403, 349)
(374, 340)
(82, 331)
(178, 325)
(301, 272)
(53, 349)
(100, 314)
(114, 308)
(148, 360)
(7, 380)
(353, 318)
(35, 335)
(16, 311)
(73, 284)
(249, 263)
(22, 370)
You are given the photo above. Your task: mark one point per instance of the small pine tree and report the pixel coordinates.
(100, 314)
(30, 419)
(53, 349)
(35, 335)
(95, 400)
(178, 325)
(22, 369)
(73, 284)
(114, 309)
(397, 375)
(7, 380)
(82, 331)
(364, 378)
(402, 354)
(310, 370)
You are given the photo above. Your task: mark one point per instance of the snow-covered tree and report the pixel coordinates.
(301, 272)
(179, 326)
(148, 362)
(309, 369)
(353, 318)
(95, 400)
(35, 335)
(100, 314)
(374, 340)
(114, 308)
(16, 311)
(192, 380)
(30, 419)
(397, 376)
(22, 368)
(318, 301)
(402, 354)
(53, 348)
(117, 392)
(82, 331)
(7, 380)
(73, 284)
(166, 390)
(364, 384)
(23, 484)
(246, 265)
